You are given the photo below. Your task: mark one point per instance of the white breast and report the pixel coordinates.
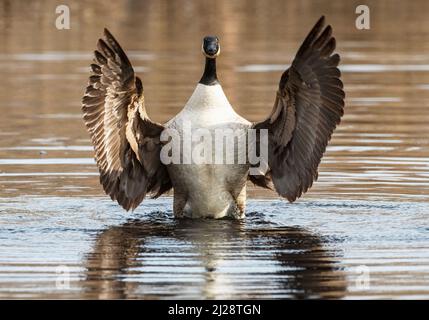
(208, 106)
(208, 190)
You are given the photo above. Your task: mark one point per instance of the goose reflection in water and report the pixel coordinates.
(202, 259)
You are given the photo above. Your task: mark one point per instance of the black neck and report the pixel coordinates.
(209, 77)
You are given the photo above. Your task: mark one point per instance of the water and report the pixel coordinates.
(311, 249)
(361, 232)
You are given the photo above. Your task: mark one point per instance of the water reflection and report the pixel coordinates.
(211, 259)
(265, 256)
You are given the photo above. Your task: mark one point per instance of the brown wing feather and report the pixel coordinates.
(125, 140)
(308, 106)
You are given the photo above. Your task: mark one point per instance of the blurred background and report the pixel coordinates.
(368, 208)
(380, 150)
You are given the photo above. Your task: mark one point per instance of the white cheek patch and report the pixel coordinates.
(210, 56)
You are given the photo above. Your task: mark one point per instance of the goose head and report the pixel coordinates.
(211, 47)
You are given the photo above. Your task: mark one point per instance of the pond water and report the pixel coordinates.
(362, 231)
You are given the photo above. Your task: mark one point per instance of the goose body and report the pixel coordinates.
(137, 156)
(209, 190)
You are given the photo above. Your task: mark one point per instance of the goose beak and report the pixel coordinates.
(211, 47)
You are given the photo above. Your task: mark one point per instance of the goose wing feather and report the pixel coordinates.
(125, 140)
(308, 106)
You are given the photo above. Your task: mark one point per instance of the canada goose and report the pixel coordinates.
(129, 146)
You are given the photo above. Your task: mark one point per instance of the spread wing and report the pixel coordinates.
(126, 141)
(308, 106)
